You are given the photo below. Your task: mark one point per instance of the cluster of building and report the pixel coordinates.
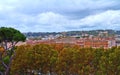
(96, 42)
(102, 40)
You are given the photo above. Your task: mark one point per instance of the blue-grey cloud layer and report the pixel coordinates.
(60, 15)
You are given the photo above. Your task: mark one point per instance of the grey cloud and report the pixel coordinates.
(59, 15)
(65, 7)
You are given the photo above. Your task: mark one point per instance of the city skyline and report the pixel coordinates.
(62, 15)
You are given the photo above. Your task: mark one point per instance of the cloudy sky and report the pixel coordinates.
(60, 15)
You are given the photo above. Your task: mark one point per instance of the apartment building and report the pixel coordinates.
(96, 42)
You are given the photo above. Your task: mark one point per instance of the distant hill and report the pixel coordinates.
(71, 33)
(118, 32)
(40, 34)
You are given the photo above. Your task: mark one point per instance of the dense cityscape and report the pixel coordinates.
(93, 38)
(64, 53)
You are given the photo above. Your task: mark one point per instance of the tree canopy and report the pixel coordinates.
(11, 34)
(48, 59)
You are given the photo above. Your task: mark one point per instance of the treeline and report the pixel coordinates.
(64, 59)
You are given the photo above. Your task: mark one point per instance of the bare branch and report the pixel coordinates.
(1, 73)
(4, 65)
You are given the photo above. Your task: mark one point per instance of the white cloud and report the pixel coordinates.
(105, 20)
(50, 18)
(51, 21)
(109, 17)
(59, 15)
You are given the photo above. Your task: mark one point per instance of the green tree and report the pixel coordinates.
(9, 37)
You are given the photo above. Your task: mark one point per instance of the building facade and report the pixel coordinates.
(96, 42)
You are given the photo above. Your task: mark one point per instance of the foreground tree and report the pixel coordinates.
(50, 59)
(9, 37)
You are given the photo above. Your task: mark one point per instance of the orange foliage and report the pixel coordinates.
(2, 49)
